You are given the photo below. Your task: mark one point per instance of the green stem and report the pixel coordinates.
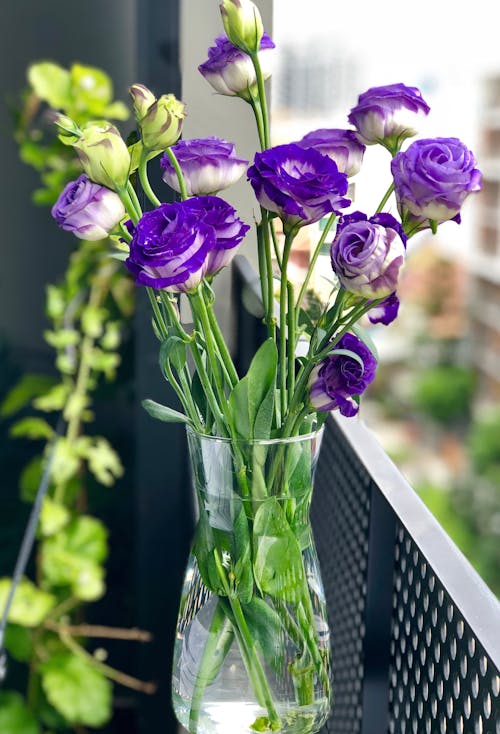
(257, 110)
(291, 333)
(222, 347)
(178, 171)
(262, 98)
(207, 387)
(274, 238)
(200, 309)
(283, 314)
(160, 323)
(143, 177)
(270, 318)
(385, 198)
(220, 637)
(257, 674)
(135, 201)
(314, 258)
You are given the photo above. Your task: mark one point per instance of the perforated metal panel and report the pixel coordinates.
(441, 679)
(340, 517)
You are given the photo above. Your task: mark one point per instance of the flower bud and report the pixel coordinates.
(162, 123)
(88, 210)
(142, 99)
(69, 131)
(104, 155)
(243, 24)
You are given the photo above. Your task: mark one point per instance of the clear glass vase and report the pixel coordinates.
(252, 650)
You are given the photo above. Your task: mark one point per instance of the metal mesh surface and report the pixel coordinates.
(340, 517)
(441, 680)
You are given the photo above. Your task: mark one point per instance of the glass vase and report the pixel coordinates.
(252, 649)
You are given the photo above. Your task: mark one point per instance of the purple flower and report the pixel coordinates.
(367, 254)
(229, 230)
(388, 114)
(433, 177)
(386, 311)
(230, 71)
(339, 377)
(342, 146)
(299, 184)
(208, 165)
(176, 245)
(87, 209)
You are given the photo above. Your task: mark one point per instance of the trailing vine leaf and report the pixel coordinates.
(28, 387)
(82, 694)
(30, 605)
(74, 556)
(103, 461)
(15, 717)
(53, 517)
(31, 427)
(18, 642)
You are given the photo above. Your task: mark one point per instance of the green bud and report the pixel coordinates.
(69, 131)
(243, 24)
(161, 125)
(104, 155)
(142, 99)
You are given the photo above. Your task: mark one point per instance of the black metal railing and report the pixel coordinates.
(415, 632)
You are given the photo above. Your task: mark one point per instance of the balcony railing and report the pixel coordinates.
(415, 632)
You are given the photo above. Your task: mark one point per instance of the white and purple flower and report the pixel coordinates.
(433, 177)
(176, 245)
(385, 312)
(299, 184)
(88, 210)
(342, 146)
(231, 72)
(208, 165)
(388, 114)
(341, 376)
(367, 254)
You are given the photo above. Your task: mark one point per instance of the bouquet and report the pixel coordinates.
(252, 579)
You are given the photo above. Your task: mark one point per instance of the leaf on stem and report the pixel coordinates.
(278, 567)
(30, 605)
(251, 401)
(163, 412)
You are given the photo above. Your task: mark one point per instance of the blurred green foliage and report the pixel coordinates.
(444, 393)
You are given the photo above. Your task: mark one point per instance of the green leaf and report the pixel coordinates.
(30, 605)
(18, 643)
(173, 349)
(241, 552)
(82, 694)
(92, 321)
(30, 479)
(103, 461)
(65, 462)
(54, 399)
(92, 90)
(55, 302)
(251, 401)
(51, 83)
(53, 517)
(116, 111)
(73, 557)
(265, 626)
(203, 549)
(31, 427)
(278, 567)
(163, 412)
(62, 338)
(15, 717)
(28, 387)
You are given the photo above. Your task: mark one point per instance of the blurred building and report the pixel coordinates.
(313, 86)
(485, 259)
